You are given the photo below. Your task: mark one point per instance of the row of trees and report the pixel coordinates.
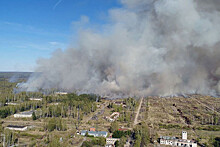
(71, 105)
(55, 124)
(141, 135)
(9, 110)
(9, 138)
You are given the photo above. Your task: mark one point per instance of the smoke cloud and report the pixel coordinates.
(150, 47)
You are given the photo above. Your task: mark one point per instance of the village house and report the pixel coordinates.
(61, 93)
(35, 99)
(10, 103)
(120, 103)
(113, 116)
(94, 133)
(26, 114)
(173, 141)
(17, 128)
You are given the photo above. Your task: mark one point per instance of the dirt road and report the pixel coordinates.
(137, 113)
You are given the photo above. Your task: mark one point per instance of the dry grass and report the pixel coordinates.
(174, 112)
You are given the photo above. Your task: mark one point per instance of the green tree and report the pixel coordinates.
(141, 135)
(216, 142)
(51, 124)
(116, 143)
(34, 117)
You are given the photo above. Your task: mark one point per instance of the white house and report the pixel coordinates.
(61, 93)
(17, 128)
(173, 141)
(113, 116)
(10, 103)
(35, 99)
(26, 114)
(94, 133)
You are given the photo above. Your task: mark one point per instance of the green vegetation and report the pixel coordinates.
(55, 123)
(216, 142)
(12, 109)
(95, 141)
(34, 117)
(119, 134)
(141, 135)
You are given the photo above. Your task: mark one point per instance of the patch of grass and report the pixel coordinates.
(24, 134)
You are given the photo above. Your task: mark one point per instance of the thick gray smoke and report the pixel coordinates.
(151, 47)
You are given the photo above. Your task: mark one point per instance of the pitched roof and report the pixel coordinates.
(12, 126)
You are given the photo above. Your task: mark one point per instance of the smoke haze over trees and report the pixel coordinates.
(149, 47)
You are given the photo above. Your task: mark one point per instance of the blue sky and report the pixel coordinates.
(31, 29)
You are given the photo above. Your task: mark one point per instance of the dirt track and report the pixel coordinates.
(137, 113)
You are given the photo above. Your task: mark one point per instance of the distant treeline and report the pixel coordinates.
(19, 75)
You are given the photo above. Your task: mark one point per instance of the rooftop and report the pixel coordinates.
(26, 112)
(167, 137)
(95, 132)
(12, 126)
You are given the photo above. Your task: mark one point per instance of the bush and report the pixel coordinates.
(119, 134)
(34, 117)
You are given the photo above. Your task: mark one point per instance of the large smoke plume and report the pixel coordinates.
(150, 47)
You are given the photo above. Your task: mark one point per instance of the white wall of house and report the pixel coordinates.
(22, 115)
(184, 135)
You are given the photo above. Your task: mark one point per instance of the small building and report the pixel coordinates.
(173, 141)
(26, 114)
(10, 103)
(61, 93)
(35, 99)
(110, 142)
(94, 133)
(120, 103)
(113, 116)
(17, 128)
(54, 104)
